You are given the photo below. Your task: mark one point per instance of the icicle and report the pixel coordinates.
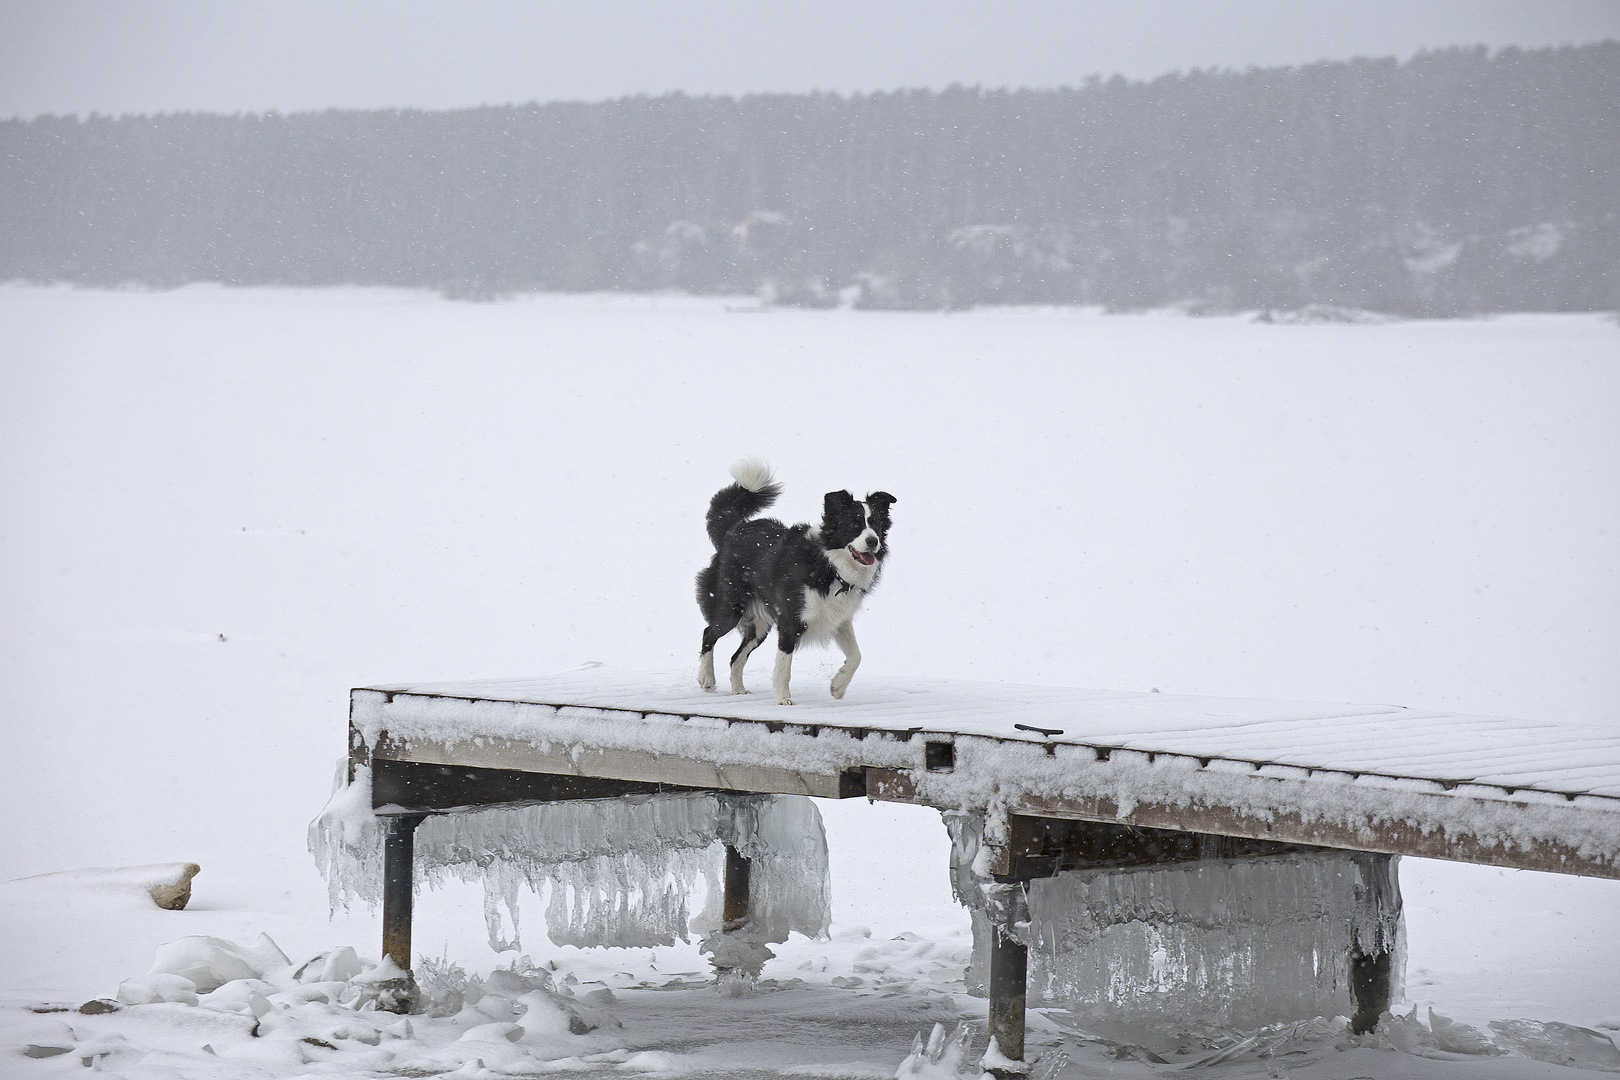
(1213, 943)
(1197, 945)
(346, 840)
(501, 882)
(788, 885)
(630, 900)
(619, 871)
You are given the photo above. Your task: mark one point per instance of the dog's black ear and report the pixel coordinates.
(835, 501)
(879, 502)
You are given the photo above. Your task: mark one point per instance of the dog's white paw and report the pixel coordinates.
(739, 690)
(839, 685)
(784, 701)
(706, 671)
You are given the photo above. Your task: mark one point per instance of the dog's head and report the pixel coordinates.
(860, 528)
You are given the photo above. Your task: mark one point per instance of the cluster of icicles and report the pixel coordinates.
(1219, 943)
(1210, 944)
(622, 871)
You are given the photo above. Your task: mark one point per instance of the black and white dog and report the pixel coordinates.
(806, 581)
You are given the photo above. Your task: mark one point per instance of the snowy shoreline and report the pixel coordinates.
(229, 506)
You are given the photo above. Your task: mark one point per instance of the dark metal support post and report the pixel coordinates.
(1372, 962)
(1009, 968)
(734, 912)
(735, 957)
(399, 856)
(1370, 988)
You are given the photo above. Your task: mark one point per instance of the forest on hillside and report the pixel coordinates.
(1457, 181)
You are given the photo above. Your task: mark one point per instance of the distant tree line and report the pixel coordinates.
(1458, 181)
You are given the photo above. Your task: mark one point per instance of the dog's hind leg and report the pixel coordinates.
(711, 634)
(845, 636)
(712, 606)
(753, 634)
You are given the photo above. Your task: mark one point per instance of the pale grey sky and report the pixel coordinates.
(147, 56)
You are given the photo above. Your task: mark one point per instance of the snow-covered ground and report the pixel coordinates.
(220, 509)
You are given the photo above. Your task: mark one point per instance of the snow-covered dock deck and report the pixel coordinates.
(1515, 793)
(1049, 779)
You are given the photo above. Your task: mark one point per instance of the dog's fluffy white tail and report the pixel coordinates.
(754, 491)
(751, 473)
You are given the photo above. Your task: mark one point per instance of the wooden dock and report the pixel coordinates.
(1079, 774)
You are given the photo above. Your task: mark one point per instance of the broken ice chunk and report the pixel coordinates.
(942, 1057)
(152, 989)
(1459, 1038)
(1406, 1034)
(1561, 1044)
(211, 962)
(338, 965)
(237, 995)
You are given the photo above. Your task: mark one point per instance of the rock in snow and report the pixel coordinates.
(172, 893)
(168, 884)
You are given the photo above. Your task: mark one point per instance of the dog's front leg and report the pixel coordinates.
(845, 636)
(782, 676)
(787, 639)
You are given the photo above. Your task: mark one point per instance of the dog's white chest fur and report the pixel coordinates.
(825, 613)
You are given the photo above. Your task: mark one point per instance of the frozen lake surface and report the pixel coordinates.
(224, 508)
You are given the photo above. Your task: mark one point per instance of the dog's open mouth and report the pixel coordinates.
(865, 558)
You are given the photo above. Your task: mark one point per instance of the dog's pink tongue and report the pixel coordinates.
(862, 557)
